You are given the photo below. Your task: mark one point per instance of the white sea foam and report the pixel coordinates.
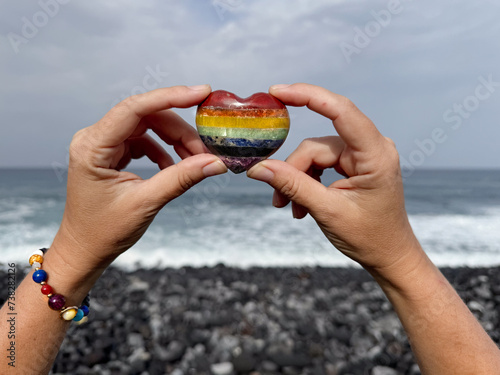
(274, 239)
(270, 237)
(251, 237)
(453, 240)
(16, 210)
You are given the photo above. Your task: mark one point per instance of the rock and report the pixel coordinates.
(201, 364)
(483, 291)
(332, 369)
(318, 369)
(224, 368)
(289, 370)
(228, 343)
(269, 366)
(137, 285)
(198, 336)
(258, 345)
(175, 289)
(415, 370)
(156, 325)
(95, 357)
(173, 352)
(483, 278)
(194, 319)
(388, 323)
(195, 359)
(135, 340)
(243, 361)
(283, 357)
(342, 334)
(138, 359)
(155, 366)
(361, 342)
(266, 323)
(219, 318)
(382, 370)
(100, 312)
(475, 306)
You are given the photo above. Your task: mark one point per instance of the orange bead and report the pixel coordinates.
(36, 258)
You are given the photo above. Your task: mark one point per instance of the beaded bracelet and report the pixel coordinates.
(56, 301)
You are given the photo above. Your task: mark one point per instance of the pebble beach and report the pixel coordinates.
(221, 321)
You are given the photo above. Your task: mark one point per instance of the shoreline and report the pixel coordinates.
(224, 320)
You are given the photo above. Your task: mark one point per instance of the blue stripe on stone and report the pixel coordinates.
(241, 142)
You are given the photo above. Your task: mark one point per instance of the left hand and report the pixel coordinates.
(362, 215)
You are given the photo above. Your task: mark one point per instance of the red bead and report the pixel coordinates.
(46, 289)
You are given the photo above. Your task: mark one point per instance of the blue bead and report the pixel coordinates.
(79, 315)
(39, 276)
(85, 310)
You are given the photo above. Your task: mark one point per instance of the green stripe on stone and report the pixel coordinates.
(247, 133)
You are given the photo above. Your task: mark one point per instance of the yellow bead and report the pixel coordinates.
(69, 314)
(36, 258)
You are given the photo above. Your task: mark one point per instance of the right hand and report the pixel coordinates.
(362, 215)
(108, 209)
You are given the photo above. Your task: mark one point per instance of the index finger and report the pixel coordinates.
(357, 130)
(121, 121)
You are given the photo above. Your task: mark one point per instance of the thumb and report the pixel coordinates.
(179, 178)
(294, 184)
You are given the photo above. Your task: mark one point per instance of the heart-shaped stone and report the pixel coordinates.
(242, 132)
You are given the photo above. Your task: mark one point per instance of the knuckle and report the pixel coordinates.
(390, 142)
(392, 151)
(307, 144)
(185, 182)
(79, 135)
(346, 104)
(291, 188)
(78, 144)
(391, 157)
(82, 149)
(129, 103)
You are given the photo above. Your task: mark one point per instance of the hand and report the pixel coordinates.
(362, 215)
(108, 210)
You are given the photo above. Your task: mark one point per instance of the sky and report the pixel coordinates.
(426, 72)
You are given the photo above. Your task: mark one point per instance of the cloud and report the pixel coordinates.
(92, 53)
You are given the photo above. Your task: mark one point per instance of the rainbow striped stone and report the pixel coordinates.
(242, 132)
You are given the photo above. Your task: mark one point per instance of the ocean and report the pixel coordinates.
(229, 219)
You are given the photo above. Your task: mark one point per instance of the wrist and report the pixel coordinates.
(69, 270)
(409, 275)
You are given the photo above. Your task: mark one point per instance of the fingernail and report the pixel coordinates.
(198, 87)
(214, 168)
(295, 211)
(276, 199)
(261, 173)
(279, 87)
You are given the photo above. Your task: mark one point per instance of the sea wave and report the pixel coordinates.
(270, 237)
(231, 221)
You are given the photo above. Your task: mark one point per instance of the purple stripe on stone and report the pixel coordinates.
(240, 164)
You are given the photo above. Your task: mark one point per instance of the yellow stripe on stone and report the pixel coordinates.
(243, 122)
